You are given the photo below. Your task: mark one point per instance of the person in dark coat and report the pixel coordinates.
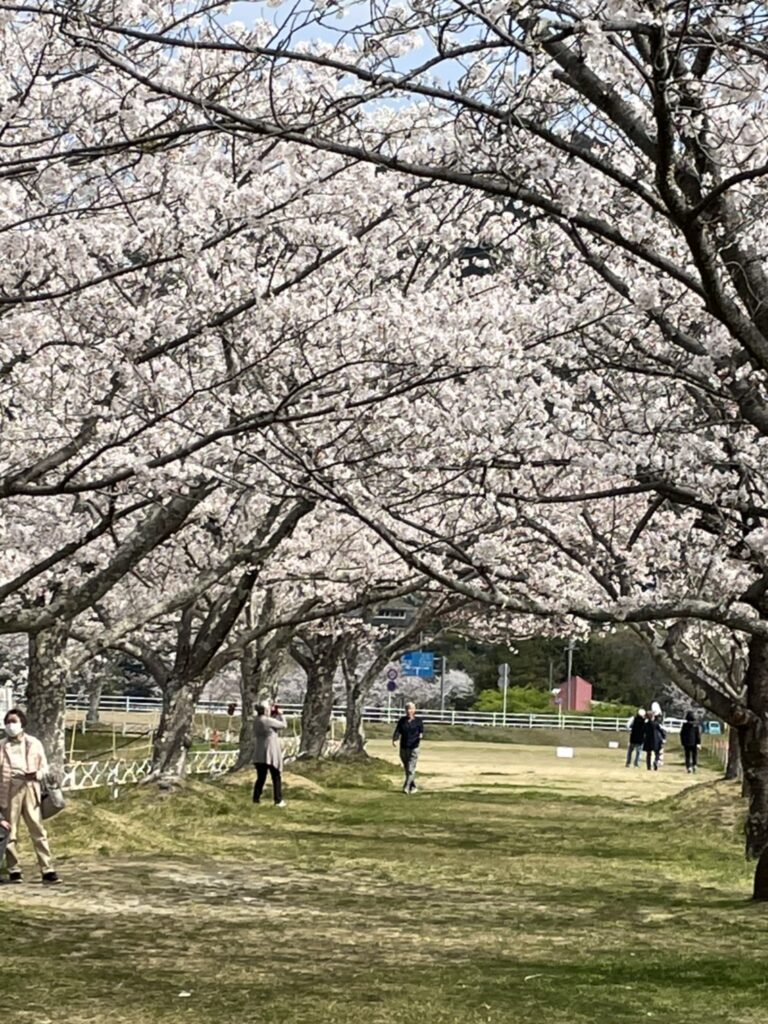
(653, 741)
(690, 737)
(636, 737)
(410, 731)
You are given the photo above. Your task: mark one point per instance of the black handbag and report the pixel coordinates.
(51, 798)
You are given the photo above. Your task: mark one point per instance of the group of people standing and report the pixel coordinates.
(648, 735)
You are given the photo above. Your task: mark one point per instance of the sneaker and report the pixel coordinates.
(414, 789)
(282, 803)
(15, 877)
(51, 878)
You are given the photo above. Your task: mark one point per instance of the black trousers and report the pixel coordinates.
(691, 757)
(261, 778)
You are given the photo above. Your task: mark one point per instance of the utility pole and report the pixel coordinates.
(442, 686)
(569, 673)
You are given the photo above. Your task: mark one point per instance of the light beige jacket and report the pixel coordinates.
(36, 762)
(266, 743)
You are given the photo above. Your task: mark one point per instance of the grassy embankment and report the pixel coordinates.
(515, 887)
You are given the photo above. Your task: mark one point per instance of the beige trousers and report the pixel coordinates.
(25, 804)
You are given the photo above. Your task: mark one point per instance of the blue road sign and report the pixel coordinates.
(418, 663)
(391, 685)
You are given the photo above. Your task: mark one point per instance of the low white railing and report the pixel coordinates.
(389, 715)
(81, 775)
(92, 774)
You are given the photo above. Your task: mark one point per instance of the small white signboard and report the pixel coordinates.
(613, 744)
(565, 751)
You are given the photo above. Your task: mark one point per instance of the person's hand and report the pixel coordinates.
(5, 824)
(394, 743)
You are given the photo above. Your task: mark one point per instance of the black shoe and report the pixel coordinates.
(15, 877)
(50, 878)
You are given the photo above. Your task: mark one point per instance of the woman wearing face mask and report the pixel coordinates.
(22, 765)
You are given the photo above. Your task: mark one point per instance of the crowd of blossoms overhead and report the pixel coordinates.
(189, 298)
(622, 318)
(194, 317)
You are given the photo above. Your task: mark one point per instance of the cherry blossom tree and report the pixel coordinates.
(181, 314)
(586, 191)
(613, 469)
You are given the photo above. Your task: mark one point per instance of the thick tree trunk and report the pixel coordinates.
(94, 699)
(733, 764)
(354, 735)
(249, 695)
(760, 891)
(46, 690)
(319, 657)
(316, 711)
(754, 756)
(174, 733)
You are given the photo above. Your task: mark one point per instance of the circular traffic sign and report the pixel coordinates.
(392, 674)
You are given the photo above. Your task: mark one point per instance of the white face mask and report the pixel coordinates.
(13, 728)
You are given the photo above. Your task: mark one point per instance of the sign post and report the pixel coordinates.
(392, 674)
(504, 686)
(559, 702)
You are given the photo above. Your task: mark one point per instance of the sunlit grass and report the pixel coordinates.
(527, 898)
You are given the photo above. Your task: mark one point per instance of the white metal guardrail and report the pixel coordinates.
(534, 720)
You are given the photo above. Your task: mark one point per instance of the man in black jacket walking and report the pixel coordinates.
(409, 730)
(636, 737)
(690, 737)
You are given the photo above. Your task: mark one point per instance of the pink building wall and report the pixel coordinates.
(576, 694)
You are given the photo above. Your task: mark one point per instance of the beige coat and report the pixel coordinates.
(266, 742)
(36, 762)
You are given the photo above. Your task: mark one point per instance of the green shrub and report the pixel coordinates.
(520, 699)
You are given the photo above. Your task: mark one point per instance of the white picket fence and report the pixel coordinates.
(534, 720)
(114, 773)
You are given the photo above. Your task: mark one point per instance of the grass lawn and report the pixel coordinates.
(515, 887)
